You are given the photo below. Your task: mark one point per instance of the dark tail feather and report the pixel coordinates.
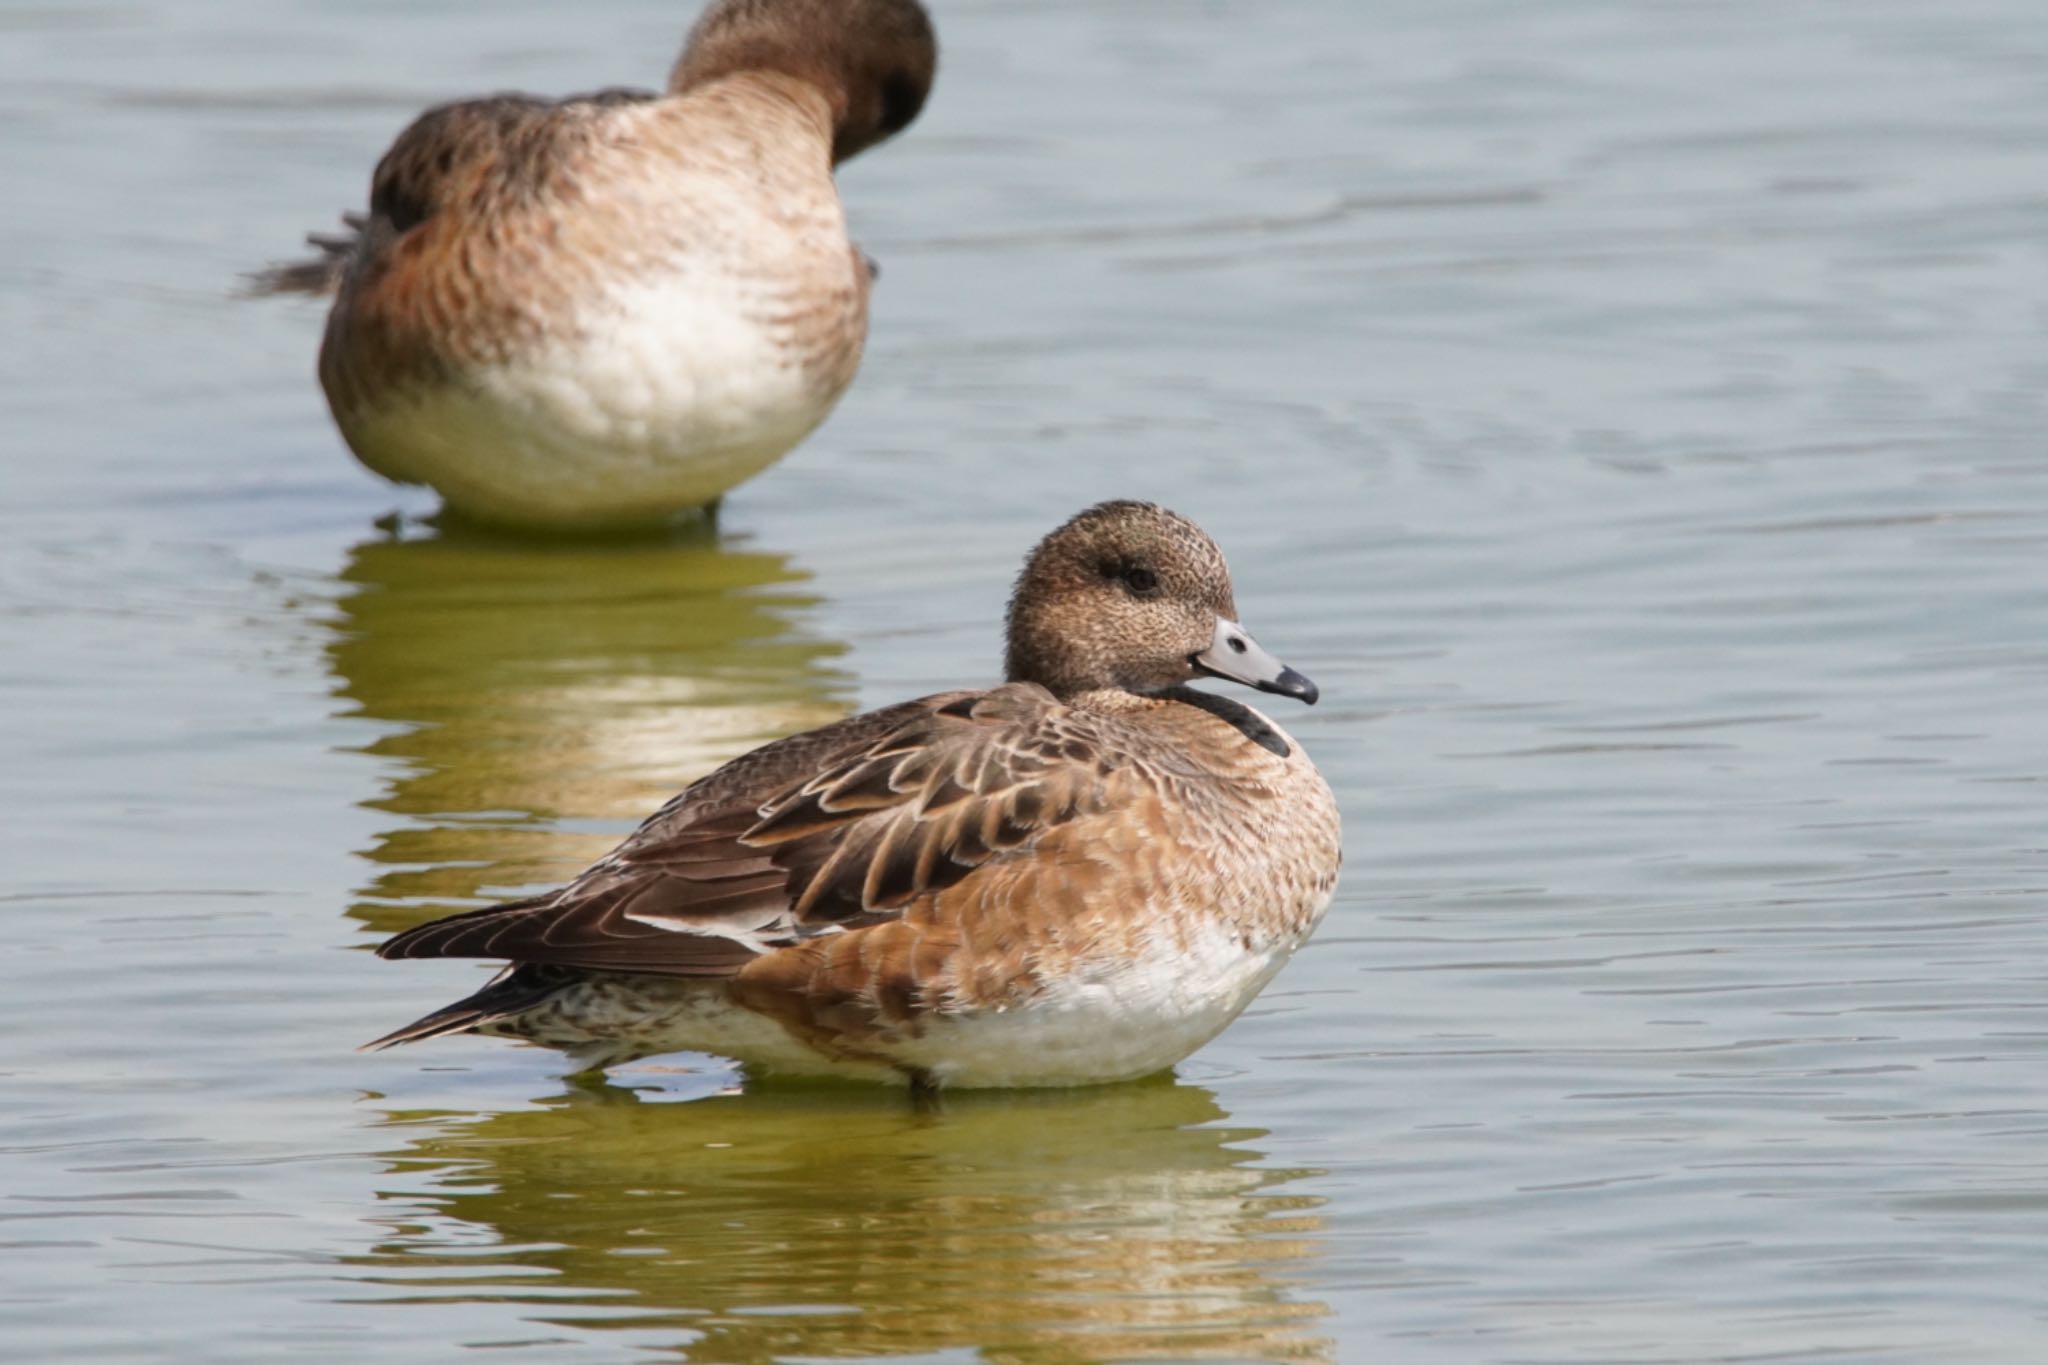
(316, 278)
(512, 991)
(319, 276)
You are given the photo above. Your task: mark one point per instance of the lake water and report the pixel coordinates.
(1631, 414)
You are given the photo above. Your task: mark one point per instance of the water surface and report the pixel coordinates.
(1629, 414)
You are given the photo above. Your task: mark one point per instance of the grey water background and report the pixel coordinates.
(1630, 413)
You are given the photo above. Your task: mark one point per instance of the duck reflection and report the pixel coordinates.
(1113, 1223)
(533, 687)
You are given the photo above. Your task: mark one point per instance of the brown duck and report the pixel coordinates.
(605, 309)
(1082, 875)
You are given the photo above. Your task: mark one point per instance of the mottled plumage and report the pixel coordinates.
(606, 309)
(1080, 875)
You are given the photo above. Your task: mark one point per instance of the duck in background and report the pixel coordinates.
(1079, 876)
(605, 310)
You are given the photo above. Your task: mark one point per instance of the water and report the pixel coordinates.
(1629, 413)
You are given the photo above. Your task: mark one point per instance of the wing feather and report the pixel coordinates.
(839, 829)
(442, 159)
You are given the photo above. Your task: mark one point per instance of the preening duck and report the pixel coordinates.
(607, 309)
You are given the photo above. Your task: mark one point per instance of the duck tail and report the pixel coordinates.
(513, 991)
(319, 276)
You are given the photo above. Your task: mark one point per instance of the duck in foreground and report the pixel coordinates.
(604, 310)
(1079, 876)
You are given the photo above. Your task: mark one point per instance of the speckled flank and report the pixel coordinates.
(1103, 1018)
(612, 1017)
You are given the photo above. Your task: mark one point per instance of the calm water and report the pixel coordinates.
(1631, 414)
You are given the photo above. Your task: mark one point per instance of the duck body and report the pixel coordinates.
(600, 311)
(1028, 885)
(1109, 943)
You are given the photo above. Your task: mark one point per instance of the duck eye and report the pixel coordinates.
(1141, 581)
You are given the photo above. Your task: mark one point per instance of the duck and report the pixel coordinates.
(607, 310)
(1079, 876)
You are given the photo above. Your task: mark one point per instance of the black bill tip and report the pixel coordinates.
(1292, 684)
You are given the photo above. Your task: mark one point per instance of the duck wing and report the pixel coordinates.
(443, 158)
(831, 831)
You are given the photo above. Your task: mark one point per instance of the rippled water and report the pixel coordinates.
(1631, 414)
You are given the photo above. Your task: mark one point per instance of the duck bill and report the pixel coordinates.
(1235, 655)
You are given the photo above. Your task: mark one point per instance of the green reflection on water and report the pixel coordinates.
(1112, 1223)
(537, 684)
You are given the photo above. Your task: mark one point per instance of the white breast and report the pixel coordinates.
(1105, 1021)
(672, 391)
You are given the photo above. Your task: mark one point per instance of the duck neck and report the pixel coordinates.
(754, 91)
(1111, 701)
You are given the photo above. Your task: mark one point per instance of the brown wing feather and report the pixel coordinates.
(448, 153)
(446, 156)
(837, 829)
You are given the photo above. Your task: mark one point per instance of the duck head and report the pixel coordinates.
(1128, 595)
(873, 59)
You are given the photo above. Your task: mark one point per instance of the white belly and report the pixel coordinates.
(670, 394)
(1092, 1023)
(1106, 1024)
